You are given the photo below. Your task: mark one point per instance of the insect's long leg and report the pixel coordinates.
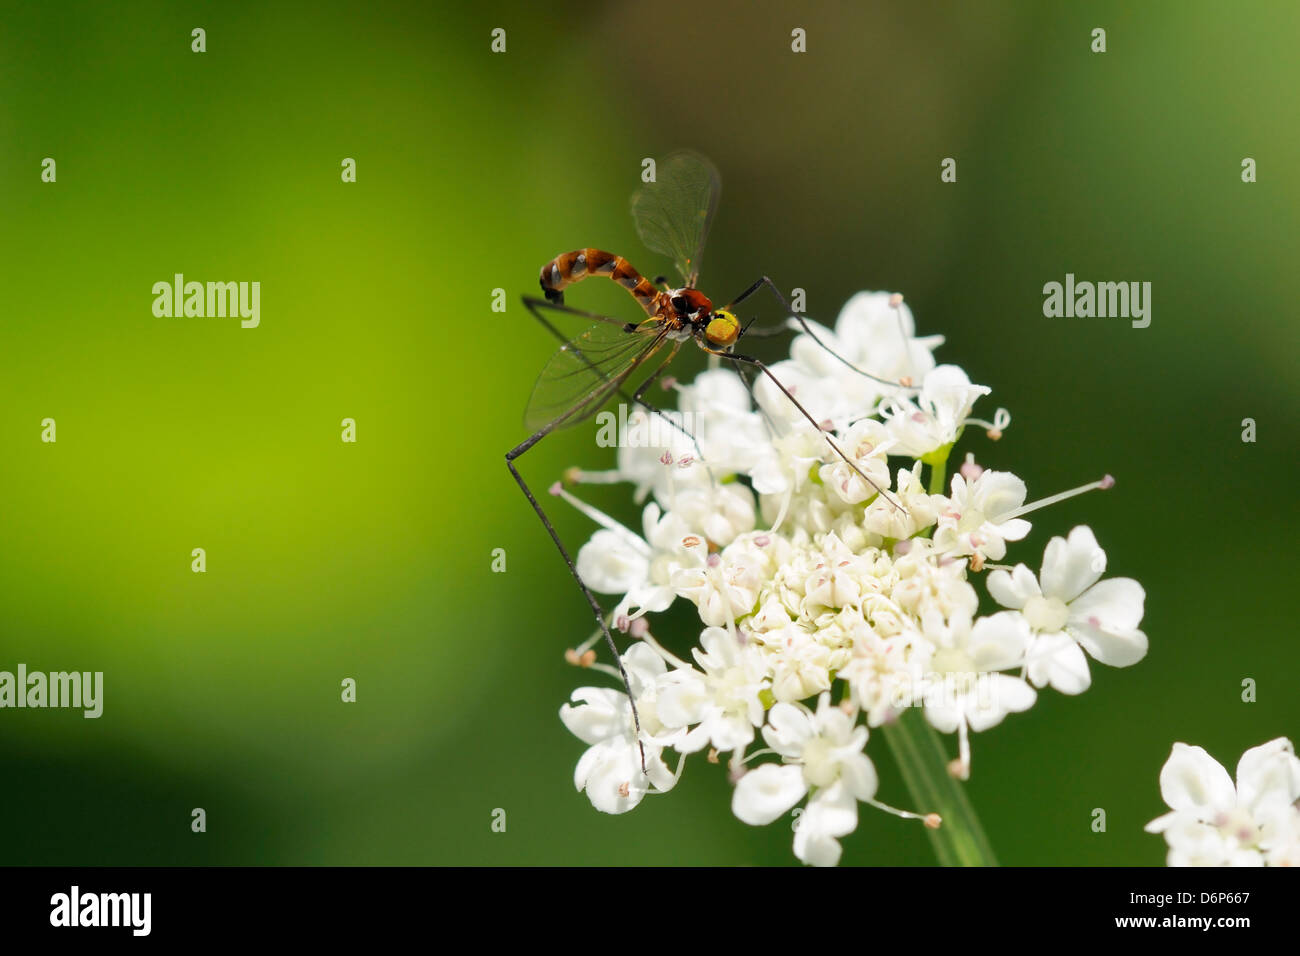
(515, 453)
(765, 281)
(749, 384)
(534, 305)
(750, 360)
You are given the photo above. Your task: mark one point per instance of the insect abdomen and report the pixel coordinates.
(571, 267)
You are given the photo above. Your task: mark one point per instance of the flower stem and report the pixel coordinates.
(938, 462)
(959, 840)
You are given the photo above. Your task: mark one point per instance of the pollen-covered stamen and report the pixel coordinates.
(969, 469)
(931, 820)
(666, 458)
(994, 429)
(580, 658)
(1104, 484)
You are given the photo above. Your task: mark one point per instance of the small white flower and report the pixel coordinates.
(965, 690)
(865, 445)
(801, 665)
(610, 769)
(822, 754)
(723, 702)
(886, 675)
(1072, 609)
(937, 416)
(919, 509)
(874, 333)
(980, 516)
(719, 512)
(1214, 823)
(617, 561)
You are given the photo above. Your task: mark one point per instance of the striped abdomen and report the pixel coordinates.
(571, 267)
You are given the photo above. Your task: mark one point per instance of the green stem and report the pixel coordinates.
(938, 462)
(959, 840)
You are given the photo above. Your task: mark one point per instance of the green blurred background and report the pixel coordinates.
(329, 560)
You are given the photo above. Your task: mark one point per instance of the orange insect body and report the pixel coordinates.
(680, 310)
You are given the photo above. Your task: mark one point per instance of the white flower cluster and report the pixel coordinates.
(1214, 823)
(833, 595)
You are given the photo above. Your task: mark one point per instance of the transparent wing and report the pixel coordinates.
(673, 213)
(584, 372)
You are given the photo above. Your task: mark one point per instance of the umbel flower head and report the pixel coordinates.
(833, 595)
(1214, 822)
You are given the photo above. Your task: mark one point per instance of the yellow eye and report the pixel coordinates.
(723, 328)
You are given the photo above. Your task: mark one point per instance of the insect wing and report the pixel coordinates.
(673, 214)
(584, 372)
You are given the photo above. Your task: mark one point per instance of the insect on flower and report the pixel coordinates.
(672, 216)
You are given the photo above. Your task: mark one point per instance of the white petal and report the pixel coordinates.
(766, 792)
(643, 665)
(999, 493)
(1268, 776)
(1193, 780)
(601, 713)
(859, 776)
(1072, 566)
(832, 813)
(1116, 604)
(608, 563)
(1104, 620)
(1118, 649)
(943, 713)
(728, 732)
(999, 695)
(1012, 589)
(611, 775)
(788, 728)
(1013, 530)
(1163, 822)
(998, 642)
(682, 698)
(1056, 660)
